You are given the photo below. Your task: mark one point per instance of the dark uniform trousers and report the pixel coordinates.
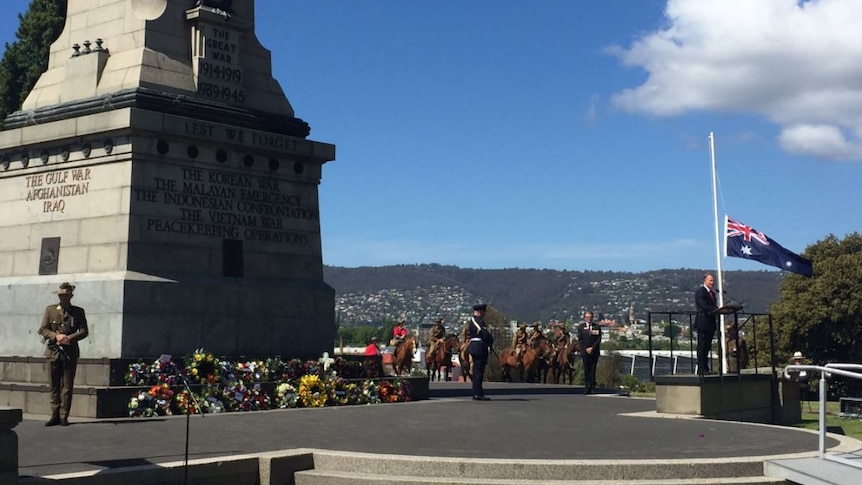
(480, 361)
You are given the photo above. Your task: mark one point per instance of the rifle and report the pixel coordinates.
(58, 348)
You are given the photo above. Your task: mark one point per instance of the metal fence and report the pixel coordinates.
(681, 358)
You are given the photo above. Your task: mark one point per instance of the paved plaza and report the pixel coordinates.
(523, 421)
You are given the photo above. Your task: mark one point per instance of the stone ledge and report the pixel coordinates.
(162, 102)
(91, 372)
(240, 470)
(10, 417)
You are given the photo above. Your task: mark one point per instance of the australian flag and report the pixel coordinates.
(743, 241)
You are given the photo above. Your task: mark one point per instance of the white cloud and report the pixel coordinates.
(794, 62)
(822, 141)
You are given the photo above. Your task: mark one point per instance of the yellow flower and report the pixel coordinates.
(194, 371)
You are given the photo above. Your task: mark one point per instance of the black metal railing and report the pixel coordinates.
(732, 325)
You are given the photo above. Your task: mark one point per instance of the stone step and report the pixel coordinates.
(331, 477)
(816, 471)
(90, 372)
(87, 402)
(376, 468)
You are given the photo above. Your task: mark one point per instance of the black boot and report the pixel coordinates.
(54, 421)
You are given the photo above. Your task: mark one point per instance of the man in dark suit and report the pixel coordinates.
(63, 325)
(590, 340)
(480, 341)
(705, 321)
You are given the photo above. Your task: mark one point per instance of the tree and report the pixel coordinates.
(356, 336)
(671, 330)
(386, 334)
(27, 58)
(821, 316)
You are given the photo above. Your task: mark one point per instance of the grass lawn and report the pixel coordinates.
(810, 420)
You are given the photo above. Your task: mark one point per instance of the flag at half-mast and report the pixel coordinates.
(743, 241)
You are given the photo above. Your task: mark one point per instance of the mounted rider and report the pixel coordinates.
(536, 334)
(399, 333)
(519, 341)
(563, 337)
(437, 334)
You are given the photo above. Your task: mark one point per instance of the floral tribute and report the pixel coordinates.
(312, 391)
(162, 371)
(154, 402)
(202, 383)
(203, 367)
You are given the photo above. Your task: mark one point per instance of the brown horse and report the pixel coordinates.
(529, 360)
(465, 360)
(563, 362)
(441, 357)
(402, 359)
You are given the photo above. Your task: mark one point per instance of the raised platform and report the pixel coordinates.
(747, 397)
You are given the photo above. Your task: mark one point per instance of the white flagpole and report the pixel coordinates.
(718, 251)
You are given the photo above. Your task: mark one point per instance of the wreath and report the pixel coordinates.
(286, 396)
(371, 392)
(312, 392)
(203, 367)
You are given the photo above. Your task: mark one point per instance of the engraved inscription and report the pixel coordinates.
(224, 204)
(217, 65)
(53, 188)
(259, 139)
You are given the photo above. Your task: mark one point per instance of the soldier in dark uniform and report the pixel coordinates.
(480, 341)
(63, 325)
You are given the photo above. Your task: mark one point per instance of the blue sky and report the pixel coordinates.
(571, 135)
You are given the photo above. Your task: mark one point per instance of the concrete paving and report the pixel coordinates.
(522, 421)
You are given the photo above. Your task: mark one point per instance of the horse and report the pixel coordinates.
(402, 359)
(441, 357)
(465, 360)
(529, 360)
(564, 362)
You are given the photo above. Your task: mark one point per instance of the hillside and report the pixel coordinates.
(370, 295)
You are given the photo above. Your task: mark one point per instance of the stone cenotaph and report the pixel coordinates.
(158, 166)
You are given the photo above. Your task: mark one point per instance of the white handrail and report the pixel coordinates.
(826, 371)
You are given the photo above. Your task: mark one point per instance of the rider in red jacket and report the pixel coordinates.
(399, 333)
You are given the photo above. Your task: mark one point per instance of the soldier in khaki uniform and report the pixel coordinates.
(519, 341)
(535, 334)
(62, 327)
(438, 333)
